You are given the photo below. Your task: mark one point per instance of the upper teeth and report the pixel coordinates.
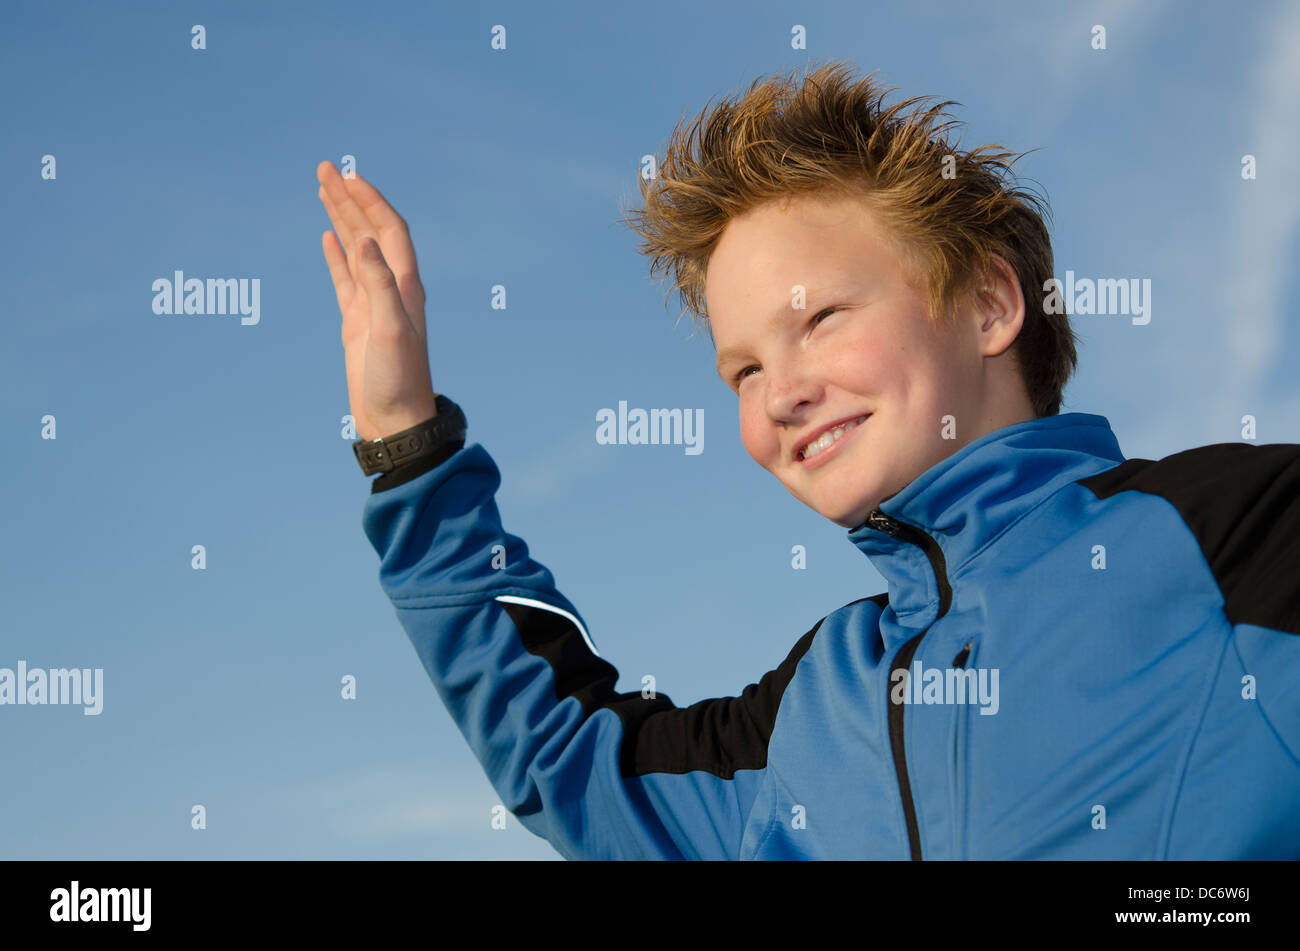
(828, 437)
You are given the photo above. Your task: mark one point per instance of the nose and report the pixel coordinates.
(790, 395)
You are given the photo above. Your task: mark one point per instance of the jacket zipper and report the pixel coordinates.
(908, 533)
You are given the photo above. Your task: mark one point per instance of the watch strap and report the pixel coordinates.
(437, 437)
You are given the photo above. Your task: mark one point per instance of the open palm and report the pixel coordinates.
(385, 346)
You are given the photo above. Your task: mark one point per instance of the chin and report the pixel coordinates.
(851, 518)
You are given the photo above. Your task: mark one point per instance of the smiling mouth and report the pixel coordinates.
(826, 442)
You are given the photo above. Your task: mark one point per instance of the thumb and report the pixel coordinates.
(386, 310)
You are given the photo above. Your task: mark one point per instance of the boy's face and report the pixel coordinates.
(876, 355)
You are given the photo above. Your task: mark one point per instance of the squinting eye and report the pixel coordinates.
(816, 319)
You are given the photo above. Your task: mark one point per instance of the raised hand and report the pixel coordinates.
(385, 347)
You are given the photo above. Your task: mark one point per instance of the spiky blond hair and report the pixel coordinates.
(947, 210)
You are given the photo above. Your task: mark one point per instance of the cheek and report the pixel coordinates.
(758, 438)
(871, 359)
(941, 375)
(910, 364)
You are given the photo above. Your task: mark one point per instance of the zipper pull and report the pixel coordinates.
(882, 523)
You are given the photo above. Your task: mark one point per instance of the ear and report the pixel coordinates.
(999, 309)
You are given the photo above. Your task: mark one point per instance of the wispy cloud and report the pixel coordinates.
(574, 458)
(1260, 242)
(1065, 63)
(1226, 254)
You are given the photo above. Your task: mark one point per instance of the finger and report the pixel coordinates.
(324, 171)
(344, 287)
(394, 235)
(408, 281)
(388, 228)
(388, 318)
(346, 238)
(394, 238)
(349, 212)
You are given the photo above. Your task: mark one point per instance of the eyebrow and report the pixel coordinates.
(724, 356)
(730, 353)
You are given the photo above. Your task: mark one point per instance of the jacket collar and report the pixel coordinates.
(967, 500)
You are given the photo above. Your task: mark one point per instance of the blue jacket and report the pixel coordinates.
(1078, 656)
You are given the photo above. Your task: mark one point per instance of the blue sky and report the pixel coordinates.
(512, 167)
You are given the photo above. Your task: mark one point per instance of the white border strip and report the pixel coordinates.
(549, 607)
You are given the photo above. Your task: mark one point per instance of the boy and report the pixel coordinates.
(1077, 656)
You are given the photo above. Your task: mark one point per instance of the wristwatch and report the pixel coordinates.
(426, 444)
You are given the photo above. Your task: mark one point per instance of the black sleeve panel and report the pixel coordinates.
(1242, 502)
(718, 736)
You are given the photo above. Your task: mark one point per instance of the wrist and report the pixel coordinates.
(429, 438)
(389, 426)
